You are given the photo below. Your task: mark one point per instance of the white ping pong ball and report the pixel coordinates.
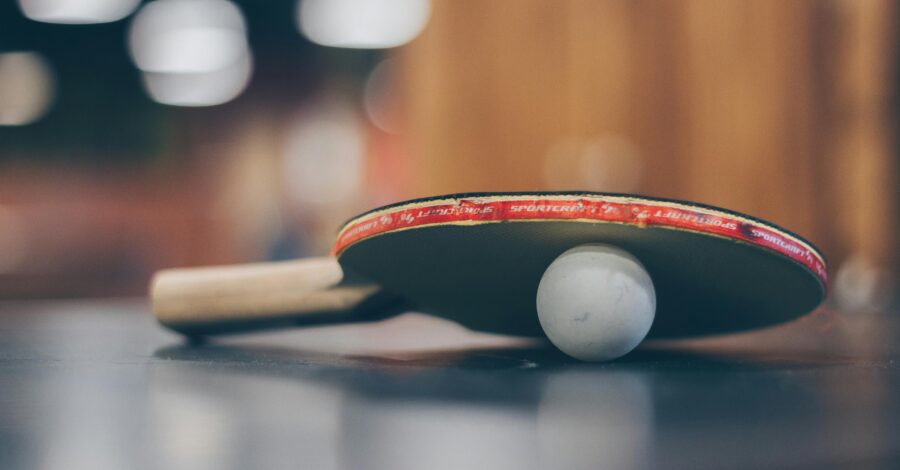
(596, 302)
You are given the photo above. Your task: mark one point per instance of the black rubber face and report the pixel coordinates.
(485, 276)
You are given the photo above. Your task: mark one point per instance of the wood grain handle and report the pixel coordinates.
(230, 299)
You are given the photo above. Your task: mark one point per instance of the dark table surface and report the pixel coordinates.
(98, 385)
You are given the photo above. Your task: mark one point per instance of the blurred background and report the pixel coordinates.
(140, 135)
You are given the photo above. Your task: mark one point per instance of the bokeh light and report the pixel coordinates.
(202, 88)
(362, 24)
(77, 11)
(605, 163)
(324, 155)
(861, 284)
(192, 52)
(187, 36)
(26, 88)
(380, 98)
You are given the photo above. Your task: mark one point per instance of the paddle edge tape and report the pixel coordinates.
(641, 211)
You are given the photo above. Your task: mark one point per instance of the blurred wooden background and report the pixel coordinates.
(784, 109)
(781, 109)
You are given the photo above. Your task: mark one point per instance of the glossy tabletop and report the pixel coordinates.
(98, 385)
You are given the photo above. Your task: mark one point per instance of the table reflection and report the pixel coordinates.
(98, 388)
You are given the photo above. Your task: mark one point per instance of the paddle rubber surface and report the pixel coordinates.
(478, 258)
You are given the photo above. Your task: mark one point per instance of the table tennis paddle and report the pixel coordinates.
(478, 258)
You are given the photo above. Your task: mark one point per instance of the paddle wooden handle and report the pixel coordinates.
(228, 299)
